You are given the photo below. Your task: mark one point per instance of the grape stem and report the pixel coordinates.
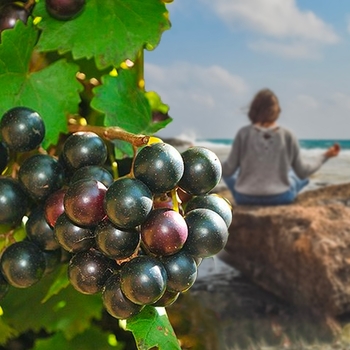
(29, 5)
(112, 133)
(7, 237)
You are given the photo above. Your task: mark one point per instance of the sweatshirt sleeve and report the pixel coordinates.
(301, 167)
(231, 164)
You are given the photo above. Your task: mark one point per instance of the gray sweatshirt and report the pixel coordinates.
(264, 157)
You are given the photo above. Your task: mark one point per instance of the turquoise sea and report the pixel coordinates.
(335, 170)
(305, 144)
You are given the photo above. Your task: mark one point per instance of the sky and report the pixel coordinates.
(219, 53)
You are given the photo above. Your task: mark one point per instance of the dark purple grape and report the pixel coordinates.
(128, 202)
(167, 299)
(143, 280)
(54, 207)
(88, 271)
(159, 166)
(72, 237)
(115, 302)
(40, 232)
(13, 201)
(93, 172)
(22, 264)
(52, 260)
(114, 242)
(4, 156)
(84, 202)
(207, 233)
(214, 202)
(22, 129)
(84, 148)
(4, 286)
(181, 270)
(41, 175)
(10, 13)
(64, 9)
(164, 232)
(202, 170)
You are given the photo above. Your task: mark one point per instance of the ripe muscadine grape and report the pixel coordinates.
(22, 129)
(84, 148)
(22, 264)
(53, 206)
(128, 202)
(167, 299)
(143, 280)
(84, 202)
(10, 13)
(115, 302)
(88, 271)
(207, 233)
(93, 172)
(41, 175)
(164, 232)
(72, 237)
(214, 202)
(159, 166)
(13, 201)
(39, 231)
(202, 170)
(114, 242)
(181, 271)
(64, 9)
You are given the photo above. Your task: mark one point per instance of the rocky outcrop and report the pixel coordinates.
(300, 252)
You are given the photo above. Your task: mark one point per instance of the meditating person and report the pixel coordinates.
(264, 166)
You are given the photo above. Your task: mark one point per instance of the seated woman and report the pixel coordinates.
(265, 166)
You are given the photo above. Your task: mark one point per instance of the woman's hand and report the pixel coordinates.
(333, 151)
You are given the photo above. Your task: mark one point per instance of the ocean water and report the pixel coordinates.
(335, 171)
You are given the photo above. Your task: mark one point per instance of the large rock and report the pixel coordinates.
(300, 252)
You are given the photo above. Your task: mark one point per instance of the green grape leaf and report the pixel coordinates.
(151, 328)
(128, 26)
(91, 339)
(122, 102)
(69, 311)
(152, 128)
(6, 332)
(53, 91)
(156, 102)
(58, 284)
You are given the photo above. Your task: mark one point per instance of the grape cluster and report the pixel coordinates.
(136, 239)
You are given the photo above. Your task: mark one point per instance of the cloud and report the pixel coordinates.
(200, 97)
(307, 102)
(319, 114)
(277, 20)
(196, 82)
(290, 49)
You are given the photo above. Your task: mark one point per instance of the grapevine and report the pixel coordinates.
(92, 204)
